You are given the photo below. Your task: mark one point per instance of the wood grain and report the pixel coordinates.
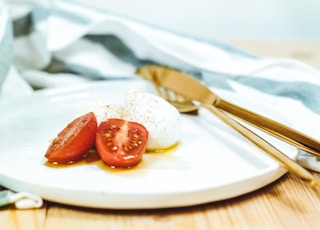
(305, 51)
(286, 204)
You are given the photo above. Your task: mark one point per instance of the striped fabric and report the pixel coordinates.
(6, 45)
(69, 43)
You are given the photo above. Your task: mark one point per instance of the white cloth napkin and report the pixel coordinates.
(70, 43)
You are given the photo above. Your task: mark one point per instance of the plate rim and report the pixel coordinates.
(273, 169)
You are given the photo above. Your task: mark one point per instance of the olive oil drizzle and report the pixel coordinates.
(93, 158)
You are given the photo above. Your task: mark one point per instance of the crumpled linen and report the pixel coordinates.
(69, 43)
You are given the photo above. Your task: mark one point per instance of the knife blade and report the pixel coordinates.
(192, 88)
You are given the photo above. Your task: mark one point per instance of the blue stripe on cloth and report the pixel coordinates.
(26, 25)
(6, 48)
(308, 94)
(119, 49)
(215, 43)
(217, 80)
(60, 66)
(305, 92)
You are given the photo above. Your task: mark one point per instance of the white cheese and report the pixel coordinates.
(102, 109)
(160, 118)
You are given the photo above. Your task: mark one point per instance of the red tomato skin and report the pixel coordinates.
(121, 143)
(74, 141)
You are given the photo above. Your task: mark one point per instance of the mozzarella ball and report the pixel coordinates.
(102, 109)
(161, 119)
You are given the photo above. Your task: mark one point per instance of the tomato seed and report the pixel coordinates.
(107, 135)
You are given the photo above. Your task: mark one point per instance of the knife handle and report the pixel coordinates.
(271, 127)
(265, 146)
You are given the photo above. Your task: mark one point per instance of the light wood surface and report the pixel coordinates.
(285, 204)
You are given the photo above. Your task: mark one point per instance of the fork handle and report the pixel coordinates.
(268, 148)
(271, 127)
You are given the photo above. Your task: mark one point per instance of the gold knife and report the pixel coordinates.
(190, 87)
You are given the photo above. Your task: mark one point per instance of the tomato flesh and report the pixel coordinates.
(75, 140)
(121, 143)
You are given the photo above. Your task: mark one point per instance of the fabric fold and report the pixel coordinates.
(71, 43)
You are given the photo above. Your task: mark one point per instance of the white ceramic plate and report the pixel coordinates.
(212, 162)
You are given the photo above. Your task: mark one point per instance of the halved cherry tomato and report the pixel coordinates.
(74, 140)
(121, 143)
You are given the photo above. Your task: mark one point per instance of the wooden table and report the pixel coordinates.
(285, 204)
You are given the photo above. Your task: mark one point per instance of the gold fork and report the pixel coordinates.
(186, 104)
(191, 88)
